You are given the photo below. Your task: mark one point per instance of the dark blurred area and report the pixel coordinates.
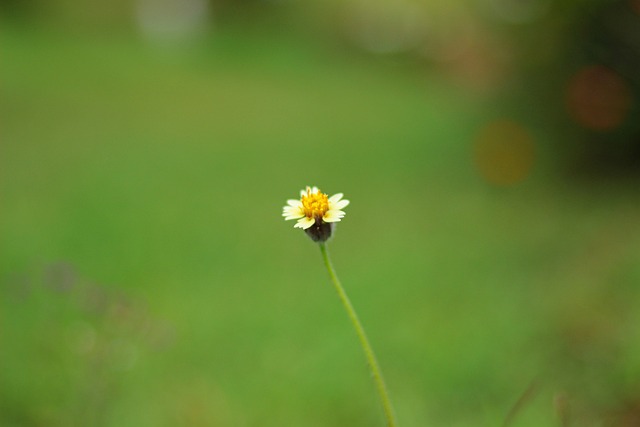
(602, 92)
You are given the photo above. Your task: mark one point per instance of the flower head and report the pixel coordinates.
(315, 212)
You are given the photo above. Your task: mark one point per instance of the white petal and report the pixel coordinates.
(292, 216)
(335, 198)
(292, 208)
(289, 216)
(339, 205)
(288, 209)
(333, 216)
(304, 223)
(292, 202)
(309, 190)
(292, 212)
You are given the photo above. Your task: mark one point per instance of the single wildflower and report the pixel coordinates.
(316, 212)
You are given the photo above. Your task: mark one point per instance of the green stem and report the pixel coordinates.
(376, 373)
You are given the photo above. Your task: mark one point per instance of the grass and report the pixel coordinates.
(148, 278)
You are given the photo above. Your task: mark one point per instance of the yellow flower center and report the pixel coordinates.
(315, 205)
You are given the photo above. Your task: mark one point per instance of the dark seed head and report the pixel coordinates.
(320, 231)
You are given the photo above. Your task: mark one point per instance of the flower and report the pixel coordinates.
(315, 212)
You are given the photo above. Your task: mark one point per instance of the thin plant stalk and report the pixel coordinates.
(376, 373)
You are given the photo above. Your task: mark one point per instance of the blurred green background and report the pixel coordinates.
(490, 150)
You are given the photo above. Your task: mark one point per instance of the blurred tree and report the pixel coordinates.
(609, 42)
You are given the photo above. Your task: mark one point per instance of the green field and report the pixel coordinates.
(148, 279)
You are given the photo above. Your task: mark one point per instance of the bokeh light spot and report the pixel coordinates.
(598, 98)
(383, 27)
(504, 152)
(172, 20)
